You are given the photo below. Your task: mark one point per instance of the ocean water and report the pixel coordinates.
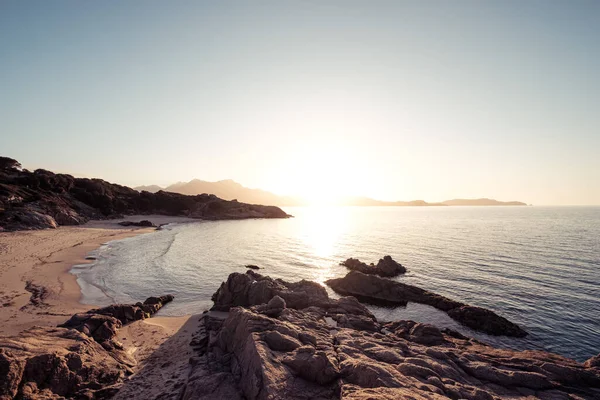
(537, 266)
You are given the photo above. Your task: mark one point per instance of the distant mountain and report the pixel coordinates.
(227, 189)
(230, 190)
(368, 202)
(482, 202)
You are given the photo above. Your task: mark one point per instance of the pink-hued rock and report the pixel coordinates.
(79, 359)
(299, 355)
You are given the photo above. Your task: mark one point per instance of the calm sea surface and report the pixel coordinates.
(537, 266)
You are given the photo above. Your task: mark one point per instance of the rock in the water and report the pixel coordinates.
(375, 290)
(252, 266)
(593, 362)
(142, 223)
(386, 267)
(486, 321)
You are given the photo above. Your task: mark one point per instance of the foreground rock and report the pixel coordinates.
(79, 359)
(253, 289)
(309, 353)
(102, 323)
(371, 289)
(386, 267)
(42, 199)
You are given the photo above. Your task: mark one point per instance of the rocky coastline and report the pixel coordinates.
(80, 358)
(42, 199)
(271, 339)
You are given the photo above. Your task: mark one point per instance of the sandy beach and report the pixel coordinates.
(37, 289)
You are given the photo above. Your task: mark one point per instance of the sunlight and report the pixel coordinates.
(321, 229)
(321, 173)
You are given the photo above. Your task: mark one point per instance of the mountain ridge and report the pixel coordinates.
(229, 189)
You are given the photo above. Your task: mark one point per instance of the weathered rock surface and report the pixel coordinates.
(79, 359)
(372, 289)
(273, 295)
(300, 354)
(386, 267)
(42, 199)
(52, 363)
(593, 362)
(102, 323)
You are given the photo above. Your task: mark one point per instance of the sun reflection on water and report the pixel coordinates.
(321, 230)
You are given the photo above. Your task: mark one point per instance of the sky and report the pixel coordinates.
(394, 100)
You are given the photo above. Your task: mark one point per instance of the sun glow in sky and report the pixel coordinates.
(394, 100)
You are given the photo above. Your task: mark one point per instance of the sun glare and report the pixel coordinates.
(320, 174)
(321, 229)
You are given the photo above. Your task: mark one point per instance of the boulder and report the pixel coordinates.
(273, 308)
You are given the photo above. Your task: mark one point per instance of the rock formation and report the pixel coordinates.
(79, 359)
(386, 267)
(251, 289)
(273, 351)
(375, 290)
(42, 199)
(142, 223)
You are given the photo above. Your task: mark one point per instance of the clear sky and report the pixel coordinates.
(396, 100)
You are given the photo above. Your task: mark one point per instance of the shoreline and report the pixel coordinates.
(36, 283)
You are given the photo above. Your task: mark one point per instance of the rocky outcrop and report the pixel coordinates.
(52, 363)
(42, 199)
(79, 359)
(307, 354)
(253, 289)
(386, 267)
(375, 290)
(102, 323)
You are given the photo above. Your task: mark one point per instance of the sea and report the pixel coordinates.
(537, 266)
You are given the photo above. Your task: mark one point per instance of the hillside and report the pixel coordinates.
(227, 189)
(43, 199)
